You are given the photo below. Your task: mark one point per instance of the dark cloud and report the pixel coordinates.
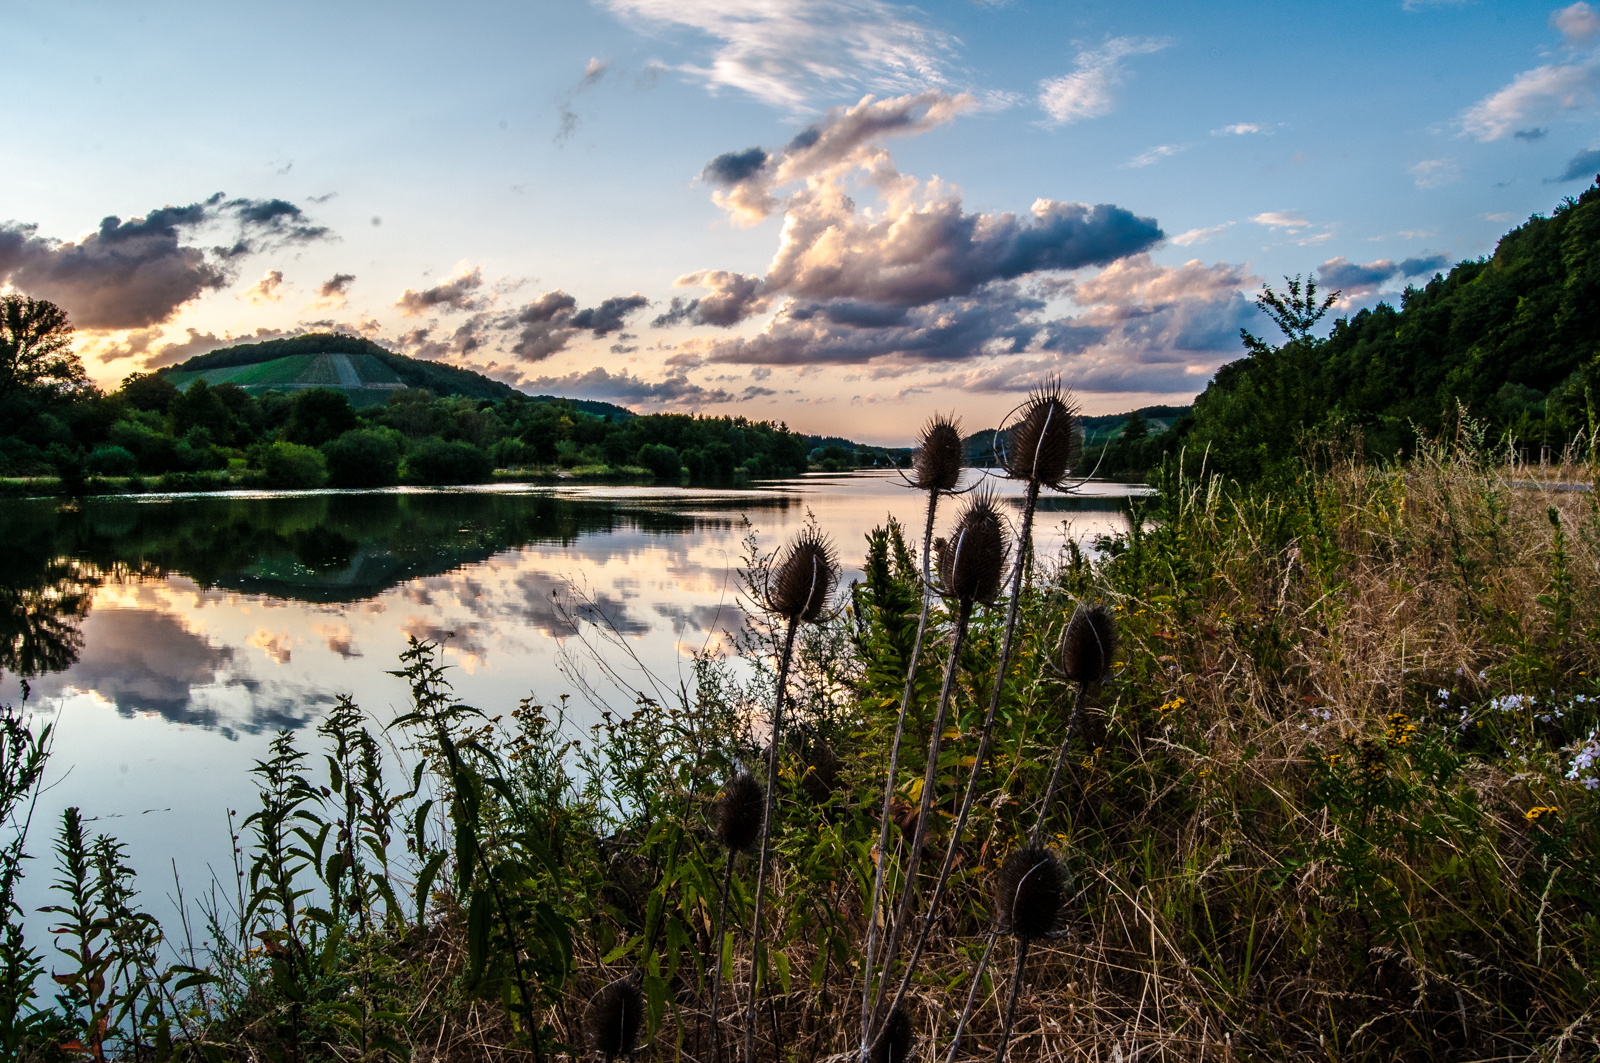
(1532, 133)
(138, 273)
(542, 326)
(610, 315)
(732, 167)
(598, 383)
(734, 297)
(1353, 278)
(453, 294)
(1582, 166)
(336, 286)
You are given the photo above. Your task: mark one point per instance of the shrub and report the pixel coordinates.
(366, 457)
(291, 465)
(662, 461)
(317, 415)
(437, 462)
(112, 460)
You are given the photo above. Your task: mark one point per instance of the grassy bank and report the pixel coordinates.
(1340, 800)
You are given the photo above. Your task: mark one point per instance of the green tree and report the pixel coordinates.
(365, 457)
(36, 347)
(662, 461)
(435, 461)
(290, 465)
(317, 415)
(148, 391)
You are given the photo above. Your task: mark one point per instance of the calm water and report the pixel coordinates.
(169, 638)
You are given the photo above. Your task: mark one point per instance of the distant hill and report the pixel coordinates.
(364, 371)
(1096, 430)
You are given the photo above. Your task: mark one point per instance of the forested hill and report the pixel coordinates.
(299, 361)
(1514, 338)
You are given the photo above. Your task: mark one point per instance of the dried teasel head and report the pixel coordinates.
(1029, 892)
(972, 561)
(739, 813)
(1044, 442)
(615, 1018)
(803, 579)
(894, 1045)
(1087, 646)
(936, 463)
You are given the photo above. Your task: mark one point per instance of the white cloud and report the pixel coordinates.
(1199, 236)
(1238, 129)
(1154, 155)
(265, 290)
(1087, 92)
(791, 53)
(1275, 219)
(1578, 23)
(1435, 173)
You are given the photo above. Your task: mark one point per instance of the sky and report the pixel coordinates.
(839, 214)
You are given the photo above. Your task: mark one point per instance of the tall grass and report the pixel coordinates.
(1338, 800)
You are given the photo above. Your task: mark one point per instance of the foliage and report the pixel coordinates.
(36, 348)
(436, 461)
(363, 457)
(291, 465)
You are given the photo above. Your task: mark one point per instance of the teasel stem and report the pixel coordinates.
(716, 946)
(985, 740)
(766, 840)
(894, 771)
(972, 994)
(1011, 999)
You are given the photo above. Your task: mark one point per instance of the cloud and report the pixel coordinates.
(622, 387)
(1088, 92)
(1577, 24)
(1356, 279)
(1154, 155)
(1238, 129)
(1544, 90)
(1583, 165)
(1198, 236)
(139, 273)
(453, 294)
(1280, 220)
(734, 297)
(610, 315)
(265, 290)
(1435, 173)
(141, 343)
(1531, 134)
(792, 54)
(734, 167)
(593, 71)
(333, 292)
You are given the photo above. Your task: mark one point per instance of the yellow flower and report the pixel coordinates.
(1533, 814)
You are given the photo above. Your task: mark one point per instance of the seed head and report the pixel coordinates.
(1044, 442)
(894, 1045)
(936, 463)
(1087, 645)
(614, 1018)
(972, 561)
(804, 578)
(739, 813)
(1028, 892)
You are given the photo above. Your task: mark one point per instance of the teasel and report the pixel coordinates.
(895, 1044)
(737, 827)
(935, 468)
(1084, 657)
(615, 1018)
(1028, 900)
(972, 566)
(798, 589)
(1043, 443)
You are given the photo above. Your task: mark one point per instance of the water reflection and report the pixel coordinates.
(245, 614)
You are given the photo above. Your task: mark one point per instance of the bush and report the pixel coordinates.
(291, 465)
(662, 461)
(437, 462)
(112, 461)
(318, 415)
(366, 457)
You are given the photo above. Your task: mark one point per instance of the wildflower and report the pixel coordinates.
(1533, 814)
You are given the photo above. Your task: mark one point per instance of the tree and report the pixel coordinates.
(317, 415)
(365, 457)
(36, 347)
(149, 391)
(1296, 315)
(291, 465)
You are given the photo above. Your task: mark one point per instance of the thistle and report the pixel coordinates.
(894, 1045)
(1028, 898)
(1043, 444)
(797, 589)
(614, 1019)
(936, 469)
(971, 567)
(737, 828)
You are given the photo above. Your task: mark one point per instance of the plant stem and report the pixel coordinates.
(925, 805)
(766, 839)
(716, 946)
(1011, 1000)
(1006, 645)
(894, 770)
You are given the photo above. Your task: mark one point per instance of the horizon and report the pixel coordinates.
(841, 215)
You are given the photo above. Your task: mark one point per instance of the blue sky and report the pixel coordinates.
(945, 202)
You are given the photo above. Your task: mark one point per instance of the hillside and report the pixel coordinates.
(1097, 430)
(367, 373)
